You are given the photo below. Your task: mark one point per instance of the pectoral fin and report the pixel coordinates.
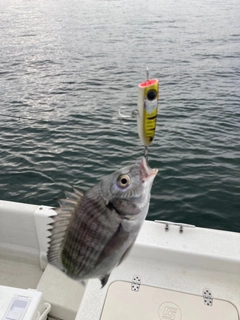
(104, 279)
(114, 244)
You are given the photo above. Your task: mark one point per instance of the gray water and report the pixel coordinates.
(67, 66)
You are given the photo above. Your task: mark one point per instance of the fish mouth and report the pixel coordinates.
(145, 171)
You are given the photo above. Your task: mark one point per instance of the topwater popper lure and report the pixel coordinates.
(147, 110)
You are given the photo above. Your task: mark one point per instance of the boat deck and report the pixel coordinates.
(168, 274)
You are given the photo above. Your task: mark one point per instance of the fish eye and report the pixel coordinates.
(123, 181)
(151, 95)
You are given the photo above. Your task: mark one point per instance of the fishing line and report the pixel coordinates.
(24, 118)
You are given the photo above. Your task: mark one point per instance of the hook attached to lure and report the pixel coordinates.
(147, 111)
(133, 114)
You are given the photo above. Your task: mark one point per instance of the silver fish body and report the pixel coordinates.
(92, 233)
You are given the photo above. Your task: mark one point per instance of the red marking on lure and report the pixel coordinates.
(148, 83)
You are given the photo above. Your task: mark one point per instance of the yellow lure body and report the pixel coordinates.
(148, 92)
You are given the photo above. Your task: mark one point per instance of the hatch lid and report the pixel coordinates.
(160, 304)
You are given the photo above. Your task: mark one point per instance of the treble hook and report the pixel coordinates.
(133, 114)
(123, 115)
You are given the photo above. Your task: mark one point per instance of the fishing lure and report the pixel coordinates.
(147, 110)
(146, 114)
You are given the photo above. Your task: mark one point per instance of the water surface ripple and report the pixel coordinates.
(66, 68)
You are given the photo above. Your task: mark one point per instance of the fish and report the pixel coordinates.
(92, 233)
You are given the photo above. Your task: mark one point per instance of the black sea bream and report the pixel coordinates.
(91, 234)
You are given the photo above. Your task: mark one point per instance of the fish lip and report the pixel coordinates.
(145, 171)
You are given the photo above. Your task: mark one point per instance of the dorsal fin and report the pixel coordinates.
(60, 224)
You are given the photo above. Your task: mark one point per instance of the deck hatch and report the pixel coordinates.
(161, 304)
